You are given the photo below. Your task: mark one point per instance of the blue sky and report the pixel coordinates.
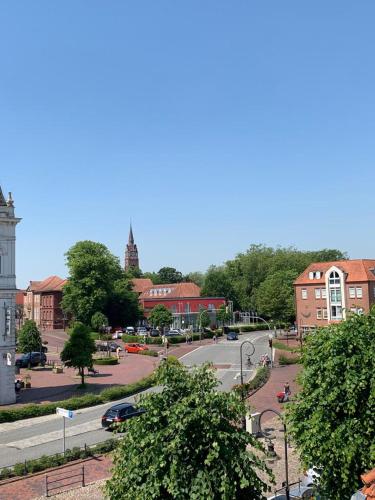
(211, 124)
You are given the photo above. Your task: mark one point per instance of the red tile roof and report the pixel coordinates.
(20, 296)
(141, 284)
(33, 286)
(50, 284)
(173, 290)
(356, 271)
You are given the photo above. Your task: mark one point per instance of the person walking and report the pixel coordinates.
(215, 338)
(118, 350)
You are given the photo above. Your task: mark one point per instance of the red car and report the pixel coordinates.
(135, 348)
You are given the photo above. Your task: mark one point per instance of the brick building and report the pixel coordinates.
(42, 303)
(326, 291)
(182, 299)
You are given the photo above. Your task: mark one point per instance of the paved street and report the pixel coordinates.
(225, 356)
(32, 438)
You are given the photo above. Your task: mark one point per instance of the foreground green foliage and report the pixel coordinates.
(261, 377)
(333, 419)
(188, 444)
(75, 403)
(29, 339)
(99, 321)
(78, 349)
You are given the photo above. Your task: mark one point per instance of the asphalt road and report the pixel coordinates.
(225, 356)
(32, 438)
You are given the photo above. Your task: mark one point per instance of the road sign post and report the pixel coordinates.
(64, 414)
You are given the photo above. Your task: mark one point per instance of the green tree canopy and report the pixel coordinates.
(169, 275)
(204, 318)
(195, 277)
(218, 283)
(188, 444)
(78, 349)
(29, 339)
(160, 316)
(93, 270)
(274, 297)
(332, 420)
(223, 315)
(123, 306)
(99, 320)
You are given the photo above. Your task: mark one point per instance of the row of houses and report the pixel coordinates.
(41, 302)
(324, 293)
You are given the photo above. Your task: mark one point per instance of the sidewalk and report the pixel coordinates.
(28, 488)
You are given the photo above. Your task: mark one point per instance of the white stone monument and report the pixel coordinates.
(8, 292)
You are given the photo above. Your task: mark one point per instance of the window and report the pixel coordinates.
(351, 292)
(311, 275)
(335, 295)
(336, 312)
(317, 293)
(317, 275)
(325, 313)
(359, 292)
(174, 309)
(187, 308)
(319, 313)
(304, 293)
(211, 307)
(334, 278)
(324, 293)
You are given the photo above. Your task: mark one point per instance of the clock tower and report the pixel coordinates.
(131, 253)
(8, 291)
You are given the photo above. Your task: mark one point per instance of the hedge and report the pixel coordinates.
(249, 328)
(286, 360)
(76, 403)
(149, 353)
(105, 361)
(46, 462)
(261, 377)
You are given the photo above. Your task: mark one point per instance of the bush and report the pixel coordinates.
(284, 347)
(261, 377)
(106, 361)
(286, 360)
(148, 353)
(46, 462)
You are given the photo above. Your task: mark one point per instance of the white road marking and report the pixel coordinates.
(90, 426)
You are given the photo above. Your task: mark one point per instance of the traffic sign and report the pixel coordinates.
(65, 413)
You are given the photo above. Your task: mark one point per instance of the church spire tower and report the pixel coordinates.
(131, 253)
(8, 291)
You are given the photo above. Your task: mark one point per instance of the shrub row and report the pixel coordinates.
(46, 462)
(287, 360)
(106, 361)
(261, 377)
(149, 353)
(248, 328)
(75, 403)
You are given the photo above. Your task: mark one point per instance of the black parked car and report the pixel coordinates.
(232, 336)
(154, 333)
(112, 346)
(36, 359)
(119, 413)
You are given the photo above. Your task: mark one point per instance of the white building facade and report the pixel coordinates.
(8, 291)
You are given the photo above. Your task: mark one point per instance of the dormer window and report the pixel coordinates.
(334, 278)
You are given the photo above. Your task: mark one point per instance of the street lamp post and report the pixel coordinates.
(241, 370)
(270, 334)
(285, 447)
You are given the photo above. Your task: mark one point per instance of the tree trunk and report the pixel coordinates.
(82, 373)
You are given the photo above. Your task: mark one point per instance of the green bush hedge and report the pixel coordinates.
(261, 377)
(46, 462)
(106, 361)
(286, 360)
(75, 403)
(149, 353)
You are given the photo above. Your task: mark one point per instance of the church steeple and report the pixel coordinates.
(131, 252)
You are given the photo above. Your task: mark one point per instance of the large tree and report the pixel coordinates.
(218, 283)
(204, 318)
(29, 339)
(160, 316)
(93, 270)
(274, 297)
(78, 349)
(188, 445)
(123, 306)
(332, 419)
(169, 275)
